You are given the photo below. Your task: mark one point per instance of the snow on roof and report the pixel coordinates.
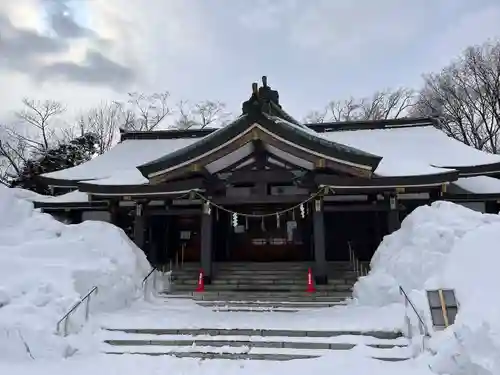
(479, 184)
(73, 196)
(424, 144)
(320, 138)
(400, 167)
(124, 156)
(122, 177)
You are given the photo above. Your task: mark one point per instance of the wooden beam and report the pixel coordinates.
(316, 160)
(173, 211)
(232, 166)
(260, 199)
(358, 207)
(260, 153)
(179, 172)
(137, 190)
(381, 183)
(269, 176)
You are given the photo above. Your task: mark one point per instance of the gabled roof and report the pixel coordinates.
(293, 134)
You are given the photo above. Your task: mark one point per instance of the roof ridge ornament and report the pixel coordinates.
(261, 98)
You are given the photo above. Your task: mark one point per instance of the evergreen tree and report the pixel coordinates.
(65, 155)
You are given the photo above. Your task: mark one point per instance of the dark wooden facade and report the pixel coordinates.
(263, 163)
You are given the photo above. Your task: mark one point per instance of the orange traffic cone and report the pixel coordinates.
(201, 283)
(310, 284)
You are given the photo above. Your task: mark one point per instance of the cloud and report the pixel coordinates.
(61, 49)
(352, 28)
(266, 15)
(62, 20)
(95, 69)
(21, 49)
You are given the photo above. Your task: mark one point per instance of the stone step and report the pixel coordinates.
(262, 288)
(255, 310)
(270, 304)
(234, 343)
(300, 266)
(184, 341)
(386, 335)
(342, 284)
(228, 356)
(241, 356)
(262, 296)
(274, 274)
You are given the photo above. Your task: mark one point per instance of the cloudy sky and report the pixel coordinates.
(86, 51)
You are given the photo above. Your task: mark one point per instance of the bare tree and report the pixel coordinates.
(104, 121)
(146, 112)
(36, 126)
(13, 155)
(201, 114)
(33, 134)
(466, 96)
(382, 105)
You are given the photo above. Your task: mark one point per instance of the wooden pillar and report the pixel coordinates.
(393, 219)
(113, 212)
(321, 269)
(206, 242)
(139, 225)
(491, 207)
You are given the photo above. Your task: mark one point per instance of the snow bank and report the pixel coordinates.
(46, 266)
(445, 246)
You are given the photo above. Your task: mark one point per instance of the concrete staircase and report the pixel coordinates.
(253, 344)
(278, 287)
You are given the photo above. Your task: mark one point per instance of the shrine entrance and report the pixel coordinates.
(270, 239)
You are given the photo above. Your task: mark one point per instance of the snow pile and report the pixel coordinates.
(445, 246)
(46, 266)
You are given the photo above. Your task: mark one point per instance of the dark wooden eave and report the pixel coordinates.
(476, 170)
(470, 197)
(373, 124)
(166, 134)
(61, 206)
(168, 188)
(291, 134)
(56, 182)
(342, 183)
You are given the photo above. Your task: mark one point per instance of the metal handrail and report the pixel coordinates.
(73, 308)
(148, 275)
(422, 324)
(152, 274)
(358, 267)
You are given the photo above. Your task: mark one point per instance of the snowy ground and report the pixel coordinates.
(45, 266)
(445, 246)
(343, 363)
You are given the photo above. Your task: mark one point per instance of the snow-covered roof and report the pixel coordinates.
(73, 196)
(121, 159)
(122, 177)
(404, 151)
(414, 145)
(479, 184)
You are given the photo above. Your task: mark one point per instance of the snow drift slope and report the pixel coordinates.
(45, 266)
(445, 246)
